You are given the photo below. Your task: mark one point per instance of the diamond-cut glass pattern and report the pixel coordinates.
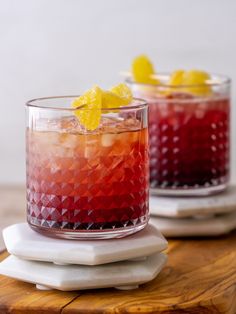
(87, 182)
(189, 142)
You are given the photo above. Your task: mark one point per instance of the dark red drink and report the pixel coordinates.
(189, 143)
(189, 136)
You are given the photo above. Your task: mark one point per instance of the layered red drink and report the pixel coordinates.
(87, 183)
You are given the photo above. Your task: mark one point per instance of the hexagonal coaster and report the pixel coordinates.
(224, 202)
(25, 243)
(185, 227)
(122, 275)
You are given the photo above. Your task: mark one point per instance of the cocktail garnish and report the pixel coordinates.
(198, 80)
(176, 77)
(117, 96)
(143, 70)
(195, 80)
(93, 100)
(123, 91)
(89, 114)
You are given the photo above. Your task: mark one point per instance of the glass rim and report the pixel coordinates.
(223, 80)
(32, 103)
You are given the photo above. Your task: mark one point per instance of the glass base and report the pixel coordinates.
(89, 235)
(189, 191)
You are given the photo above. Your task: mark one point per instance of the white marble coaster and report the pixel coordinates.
(122, 275)
(25, 243)
(224, 202)
(184, 227)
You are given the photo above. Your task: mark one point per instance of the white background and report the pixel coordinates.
(53, 47)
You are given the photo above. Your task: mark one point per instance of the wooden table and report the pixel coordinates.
(200, 277)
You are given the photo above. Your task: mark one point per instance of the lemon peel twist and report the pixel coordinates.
(90, 104)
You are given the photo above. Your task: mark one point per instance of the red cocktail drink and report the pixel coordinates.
(87, 183)
(189, 138)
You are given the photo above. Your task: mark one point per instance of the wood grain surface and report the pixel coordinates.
(200, 277)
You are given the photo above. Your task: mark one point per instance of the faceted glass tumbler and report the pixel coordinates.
(189, 134)
(86, 184)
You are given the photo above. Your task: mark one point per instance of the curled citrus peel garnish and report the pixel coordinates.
(193, 81)
(91, 103)
(176, 78)
(143, 70)
(124, 92)
(118, 96)
(196, 82)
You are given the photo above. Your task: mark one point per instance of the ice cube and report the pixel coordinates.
(108, 139)
(67, 124)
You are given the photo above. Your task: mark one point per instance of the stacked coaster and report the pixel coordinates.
(195, 216)
(76, 265)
